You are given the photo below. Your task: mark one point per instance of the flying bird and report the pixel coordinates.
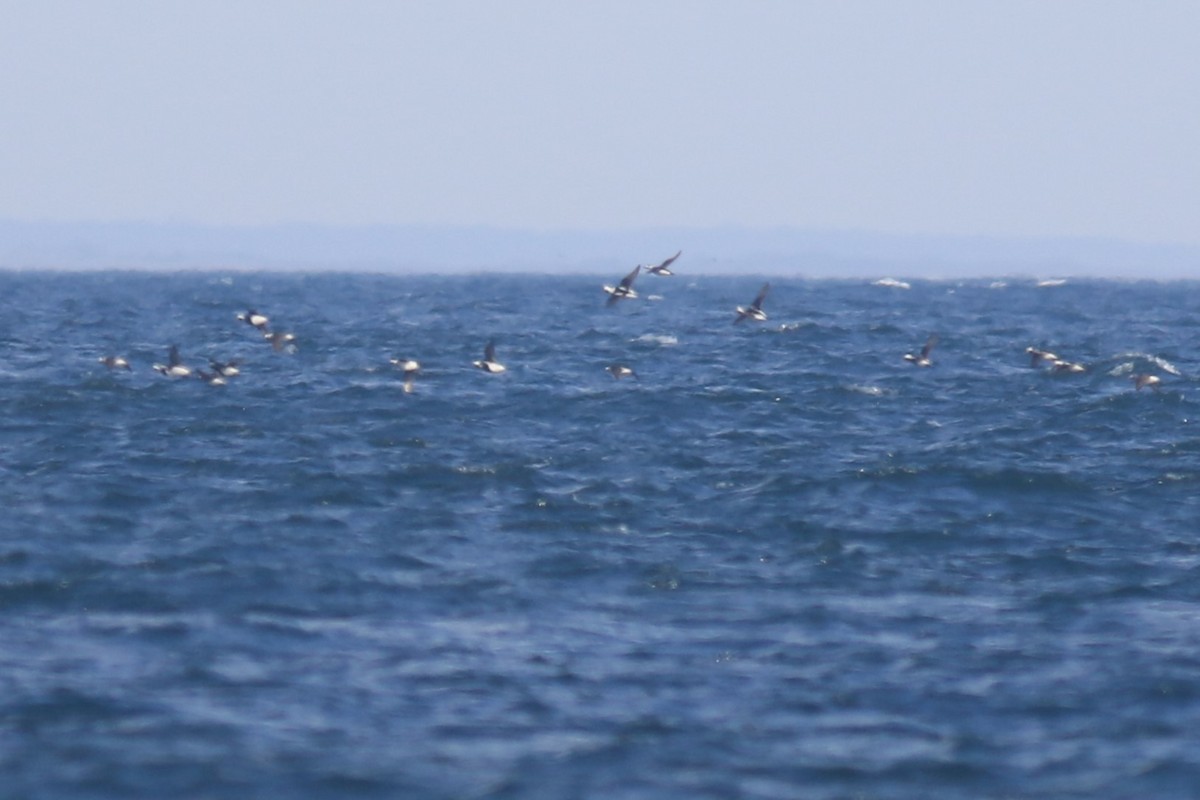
(1060, 366)
(1037, 356)
(1153, 381)
(922, 359)
(257, 320)
(624, 289)
(226, 369)
(754, 311)
(661, 268)
(489, 362)
(115, 362)
(619, 371)
(410, 367)
(174, 368)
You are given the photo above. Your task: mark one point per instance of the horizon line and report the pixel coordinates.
(434, 249)
(534, 230)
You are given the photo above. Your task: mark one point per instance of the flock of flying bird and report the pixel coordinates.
(624, 290)
(220, 370)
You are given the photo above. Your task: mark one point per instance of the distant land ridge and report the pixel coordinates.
(431, 249)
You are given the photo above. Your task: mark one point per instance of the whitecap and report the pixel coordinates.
(1051, 282)
(871, 391)
(654, 297)
(1126, 367)
(665, 340)
(1164, 365)
(892, 282)
(998, 285)
(472, 469)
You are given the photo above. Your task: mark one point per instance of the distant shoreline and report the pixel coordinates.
(987, 281)
(415, 250)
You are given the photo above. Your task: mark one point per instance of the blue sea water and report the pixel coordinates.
(782, 563)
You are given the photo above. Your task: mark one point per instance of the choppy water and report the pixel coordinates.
(783, 564)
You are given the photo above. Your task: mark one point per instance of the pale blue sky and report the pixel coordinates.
(996, 118)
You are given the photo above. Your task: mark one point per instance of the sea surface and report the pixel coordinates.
(781, 563)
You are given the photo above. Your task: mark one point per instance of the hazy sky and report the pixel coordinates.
(1000, 118)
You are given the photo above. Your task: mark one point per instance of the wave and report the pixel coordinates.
(553, 578)
(661, 339)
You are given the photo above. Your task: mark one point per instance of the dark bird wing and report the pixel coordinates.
(627, 281)
(624, 287)
(762, 295)
(489, 352)
(930, 343)
(668, 262)
(173, 359)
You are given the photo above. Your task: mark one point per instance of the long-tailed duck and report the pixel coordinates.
(1060, 366)
(226, 369)
(1153, 381)
(754, 310)
(411, 367)
(922, 359)
(624, 289)
(661, 268)
(619, 371)
(252, 317)
(489, 362)
(174, 368)
(1037, 356)
(115, 362)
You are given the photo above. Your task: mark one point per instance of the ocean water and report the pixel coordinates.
(782, 563)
